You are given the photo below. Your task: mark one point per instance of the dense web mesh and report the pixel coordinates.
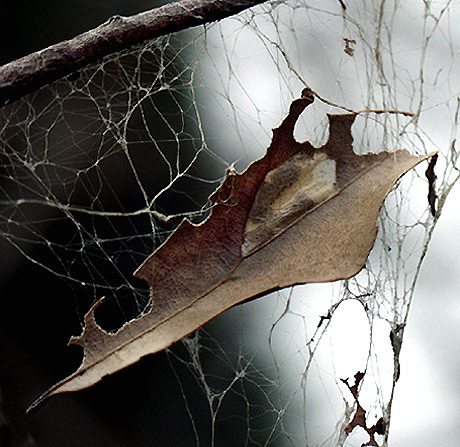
(97, 169)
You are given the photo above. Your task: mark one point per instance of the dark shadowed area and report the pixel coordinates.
(157, 401)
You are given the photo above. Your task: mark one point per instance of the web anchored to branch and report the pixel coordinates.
(100, 167)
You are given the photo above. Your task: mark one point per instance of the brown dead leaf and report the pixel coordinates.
(431, 176)
(354, 388)
(359, 418)
(298, 215)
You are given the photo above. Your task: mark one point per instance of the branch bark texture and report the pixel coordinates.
(31, 72)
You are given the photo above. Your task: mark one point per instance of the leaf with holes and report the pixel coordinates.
(298, 215)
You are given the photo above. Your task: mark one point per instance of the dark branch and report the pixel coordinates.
(43, 67)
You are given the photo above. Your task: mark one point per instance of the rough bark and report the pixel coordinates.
(31, 72)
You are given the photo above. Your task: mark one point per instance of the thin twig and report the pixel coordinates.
(379, 111)
(31, 72)
(359, 112)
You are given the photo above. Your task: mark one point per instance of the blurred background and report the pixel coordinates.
(161, 400)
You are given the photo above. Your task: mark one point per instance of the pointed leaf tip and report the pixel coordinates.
(298, 215)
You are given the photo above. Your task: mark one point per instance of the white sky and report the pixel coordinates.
(252, 88)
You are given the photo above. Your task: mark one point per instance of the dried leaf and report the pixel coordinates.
(359, 376)
(431, 176)
(298, 215)
(359, 419)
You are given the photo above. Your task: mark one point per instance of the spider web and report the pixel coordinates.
(97, 169)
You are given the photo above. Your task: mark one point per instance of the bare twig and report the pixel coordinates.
(390, 111)
(43, 67)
